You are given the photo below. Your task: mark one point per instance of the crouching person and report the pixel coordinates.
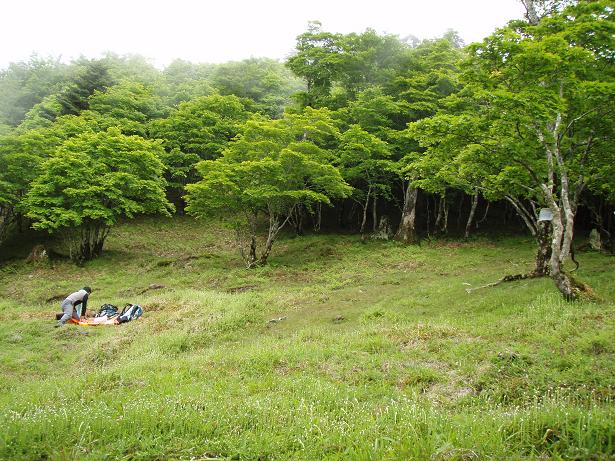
(74, 306)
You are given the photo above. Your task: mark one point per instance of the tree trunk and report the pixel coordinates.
(407, 227)
(460, 211)
(298, 220)
(563, 207)
(428, 213)
(482, 220)
(275, 226)
(273, 230)
(530, 12)
(561, 279)
(543, 254)
(5, 222)
(471, 217)
(266, 252)
(440, 214)
(375, 213)
(444, 217)
(318, 220)
(250, 258)
(341, 222)
(365, 206)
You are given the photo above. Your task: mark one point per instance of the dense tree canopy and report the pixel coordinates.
(273, 168)
(538, 123)
(359, 131)
(92, 181)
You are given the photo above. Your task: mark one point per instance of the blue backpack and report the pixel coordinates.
(130, 312)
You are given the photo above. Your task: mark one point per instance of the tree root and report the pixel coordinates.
(582, 290)
(507, 278)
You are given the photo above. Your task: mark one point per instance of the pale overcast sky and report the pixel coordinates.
(224, 30)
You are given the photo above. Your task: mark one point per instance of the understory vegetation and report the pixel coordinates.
(338, 349)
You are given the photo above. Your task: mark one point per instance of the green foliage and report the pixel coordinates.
(197, 130)
(365, 163)
(25, 84)
(21, 155)
(518, 82)
(91, 182)
(129, 67)
(42, 114)
(431, 75)
(354, 62)
(184, 81)
(265, 83)
(130, 104)
(273, 167)
(93, 76)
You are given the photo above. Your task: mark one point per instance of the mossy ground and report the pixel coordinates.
(378, 353)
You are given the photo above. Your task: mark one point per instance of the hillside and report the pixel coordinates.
(336, 350)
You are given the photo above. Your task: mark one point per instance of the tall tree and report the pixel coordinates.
(91, 182)
(130, 104)
(183, 81)
(271, 169)
(197, 130)
(75, 98)
(21, 156)
(319, 59)
(264, 84)
(431, 76)
(337, 67)
(365, 163)
(25, 84)
(543, 95)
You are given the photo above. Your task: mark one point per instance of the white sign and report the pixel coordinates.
(545, 215)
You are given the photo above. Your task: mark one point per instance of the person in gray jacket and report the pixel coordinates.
(72, 302)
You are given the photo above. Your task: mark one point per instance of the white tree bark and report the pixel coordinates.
(406, 232)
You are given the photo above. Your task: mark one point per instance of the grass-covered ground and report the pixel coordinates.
(379, 354)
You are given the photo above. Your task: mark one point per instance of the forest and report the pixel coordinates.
(379, 248)
(358, 132)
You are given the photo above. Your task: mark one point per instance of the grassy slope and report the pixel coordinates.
(382, 354)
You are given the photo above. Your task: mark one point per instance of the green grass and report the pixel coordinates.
(381, 353)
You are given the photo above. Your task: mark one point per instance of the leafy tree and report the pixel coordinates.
(130, 104)
(319, 60)
(376, 112)
(92, 181)
(536, 9)
(543, 97)
(365, 164)
(184, 81)
(197, 130)
(342, 64)
(42, 114)
(430, 78)
(371, 60)
(128, 67)
(74, 98)
(21, 155)
(25, 84)
(271, 169)
(266, 82)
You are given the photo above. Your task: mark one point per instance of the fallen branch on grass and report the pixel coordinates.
(506, 278)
